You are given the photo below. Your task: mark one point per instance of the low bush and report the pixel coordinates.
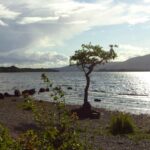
(6, 142)
(121, 124)
(28, 104)
(57, 127)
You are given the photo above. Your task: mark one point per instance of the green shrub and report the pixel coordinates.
(57, 128)
(121, 124)
(6, 142)
(28, 104)
(28, 141)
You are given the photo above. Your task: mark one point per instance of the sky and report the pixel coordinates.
(45, 33)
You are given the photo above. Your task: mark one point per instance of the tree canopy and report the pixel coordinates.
(90, 55)
(87, 58)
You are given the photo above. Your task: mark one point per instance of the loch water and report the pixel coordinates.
(123, 91)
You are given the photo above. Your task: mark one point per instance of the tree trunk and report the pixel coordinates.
(87, 106)
(86, 89)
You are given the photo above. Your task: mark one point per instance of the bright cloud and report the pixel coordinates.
(127, 51)
(2, 23)
(28, 20)
(146, 1)
(7, 13)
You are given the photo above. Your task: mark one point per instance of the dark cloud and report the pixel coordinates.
(12, 38)
(26, 59)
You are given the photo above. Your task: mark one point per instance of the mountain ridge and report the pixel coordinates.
(140, 63)
(16, 69)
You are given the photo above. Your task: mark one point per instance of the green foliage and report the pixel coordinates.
(93, 54)
(58, 94)
(6, 142)
(88, 57)
(57, 128)
(46, 80)
(139, 136)
(28, 104)
(121, 124)
(28, 141)
(47, 140)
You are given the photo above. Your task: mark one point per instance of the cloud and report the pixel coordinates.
(146, 1)
(77, 22)
(127, 51)
(2, 23)
(28, 20)
(33, 59)
(46, 24)
(7, 13)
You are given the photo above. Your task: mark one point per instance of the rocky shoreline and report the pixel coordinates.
(18, 121)
(27, 92)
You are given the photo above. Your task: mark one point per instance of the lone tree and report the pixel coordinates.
(86, 59)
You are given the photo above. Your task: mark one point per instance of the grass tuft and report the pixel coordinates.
(121, 124)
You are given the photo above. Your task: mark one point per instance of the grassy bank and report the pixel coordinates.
(96, 131)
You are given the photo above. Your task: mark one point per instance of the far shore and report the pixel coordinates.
(18, 121)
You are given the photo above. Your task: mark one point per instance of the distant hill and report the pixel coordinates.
(141, 63)
(69, 68)
(16, 69)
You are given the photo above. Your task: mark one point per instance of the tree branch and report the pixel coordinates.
(91, 68)
(83, 68)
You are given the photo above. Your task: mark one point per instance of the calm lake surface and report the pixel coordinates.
(123, 91)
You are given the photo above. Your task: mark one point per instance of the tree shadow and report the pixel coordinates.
(83, 113)
(23, 127)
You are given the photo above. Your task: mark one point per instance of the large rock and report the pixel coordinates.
(42, 90)
(97, 100)
(1, 96)
(17, 93)
(69, 88)
(28, 92)
(47, 89)
(7, 94)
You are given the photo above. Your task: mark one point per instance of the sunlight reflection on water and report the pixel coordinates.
(123, 91)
